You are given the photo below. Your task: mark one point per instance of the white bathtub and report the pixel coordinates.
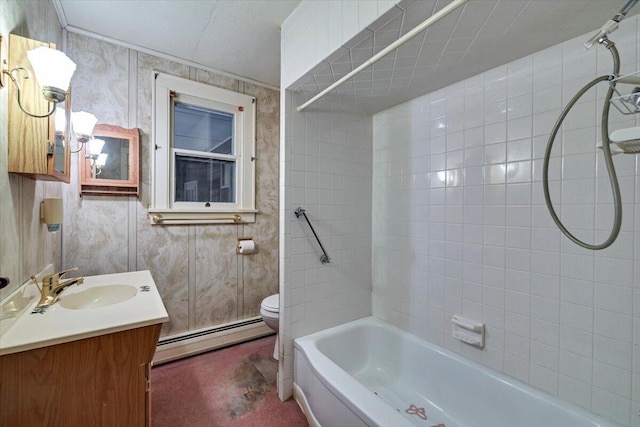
(369, 373)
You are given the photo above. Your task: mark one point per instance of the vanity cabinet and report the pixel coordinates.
(34, 149)
(98, 381)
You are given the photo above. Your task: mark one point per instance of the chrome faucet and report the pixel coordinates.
(52, 287)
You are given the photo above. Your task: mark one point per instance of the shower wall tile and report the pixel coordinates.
(301, 54)
(559, 317)
(325, 169)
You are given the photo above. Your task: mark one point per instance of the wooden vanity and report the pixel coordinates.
(87, 366)
(100, 381)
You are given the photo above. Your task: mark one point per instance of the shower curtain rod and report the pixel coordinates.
(402, 40)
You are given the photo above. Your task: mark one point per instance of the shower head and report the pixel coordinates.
(611, 25)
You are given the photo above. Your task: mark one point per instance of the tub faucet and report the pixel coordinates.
(52, 287)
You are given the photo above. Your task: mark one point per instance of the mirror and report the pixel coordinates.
(113, 160)
(109, 162)
(62, 125)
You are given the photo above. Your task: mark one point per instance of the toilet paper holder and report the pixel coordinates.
(245, 246)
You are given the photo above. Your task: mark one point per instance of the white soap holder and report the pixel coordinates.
(467, 330)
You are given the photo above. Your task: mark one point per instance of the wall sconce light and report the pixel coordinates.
(82, 124)
(95, 148)
(97, 157)
(52, 69)
(51, 213)
(100, 162)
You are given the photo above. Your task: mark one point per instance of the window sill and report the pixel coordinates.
(185, 217)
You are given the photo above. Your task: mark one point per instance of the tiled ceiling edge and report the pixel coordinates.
(456, 48)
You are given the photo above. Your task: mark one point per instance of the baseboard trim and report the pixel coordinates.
(187, 345)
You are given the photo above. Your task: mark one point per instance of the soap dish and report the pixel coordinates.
(14, 306)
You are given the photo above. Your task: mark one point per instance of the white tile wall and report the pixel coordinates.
(471, 40)
(316, 29)
(460, 226)
(325, 167)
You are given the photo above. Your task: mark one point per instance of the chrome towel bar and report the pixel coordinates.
(324, 258)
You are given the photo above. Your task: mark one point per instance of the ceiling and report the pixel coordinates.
(239, 37)
(242, 38)
(475, 38)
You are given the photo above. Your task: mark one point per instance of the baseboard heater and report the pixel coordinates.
(191, 343)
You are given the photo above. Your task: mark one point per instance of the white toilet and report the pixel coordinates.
(270, 312)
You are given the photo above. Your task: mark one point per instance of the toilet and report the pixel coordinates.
(270, 312)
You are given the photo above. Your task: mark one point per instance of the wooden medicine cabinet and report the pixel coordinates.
(35, 149)
(113, 167)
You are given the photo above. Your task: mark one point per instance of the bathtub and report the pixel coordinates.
(369, 373)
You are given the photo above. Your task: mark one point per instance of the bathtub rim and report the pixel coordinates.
(352, 392)
(356, 399)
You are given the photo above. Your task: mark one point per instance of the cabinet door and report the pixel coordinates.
(33, 150)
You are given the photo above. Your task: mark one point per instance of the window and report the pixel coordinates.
(204, 157)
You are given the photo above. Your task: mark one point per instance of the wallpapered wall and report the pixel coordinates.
(25, 245)
(201, 279)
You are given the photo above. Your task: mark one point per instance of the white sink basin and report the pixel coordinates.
(102, 305)
(98, 296)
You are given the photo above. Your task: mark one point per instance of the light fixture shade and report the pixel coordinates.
(102, 160)
(83, 123)
(95, 147)
(51, 67)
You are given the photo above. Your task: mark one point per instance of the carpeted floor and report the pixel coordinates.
(230, 387)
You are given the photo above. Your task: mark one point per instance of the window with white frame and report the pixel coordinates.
(204, 157)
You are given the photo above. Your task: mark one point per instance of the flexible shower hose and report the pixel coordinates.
(615, 188)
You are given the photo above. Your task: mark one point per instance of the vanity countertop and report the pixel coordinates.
(57, 324)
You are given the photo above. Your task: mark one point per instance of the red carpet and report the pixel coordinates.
(234, 387)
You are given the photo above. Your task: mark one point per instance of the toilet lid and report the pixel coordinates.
(271, 303)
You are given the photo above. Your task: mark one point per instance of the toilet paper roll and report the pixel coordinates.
(246, 247)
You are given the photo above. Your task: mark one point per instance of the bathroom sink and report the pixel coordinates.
(102, 305)
(98, 296)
